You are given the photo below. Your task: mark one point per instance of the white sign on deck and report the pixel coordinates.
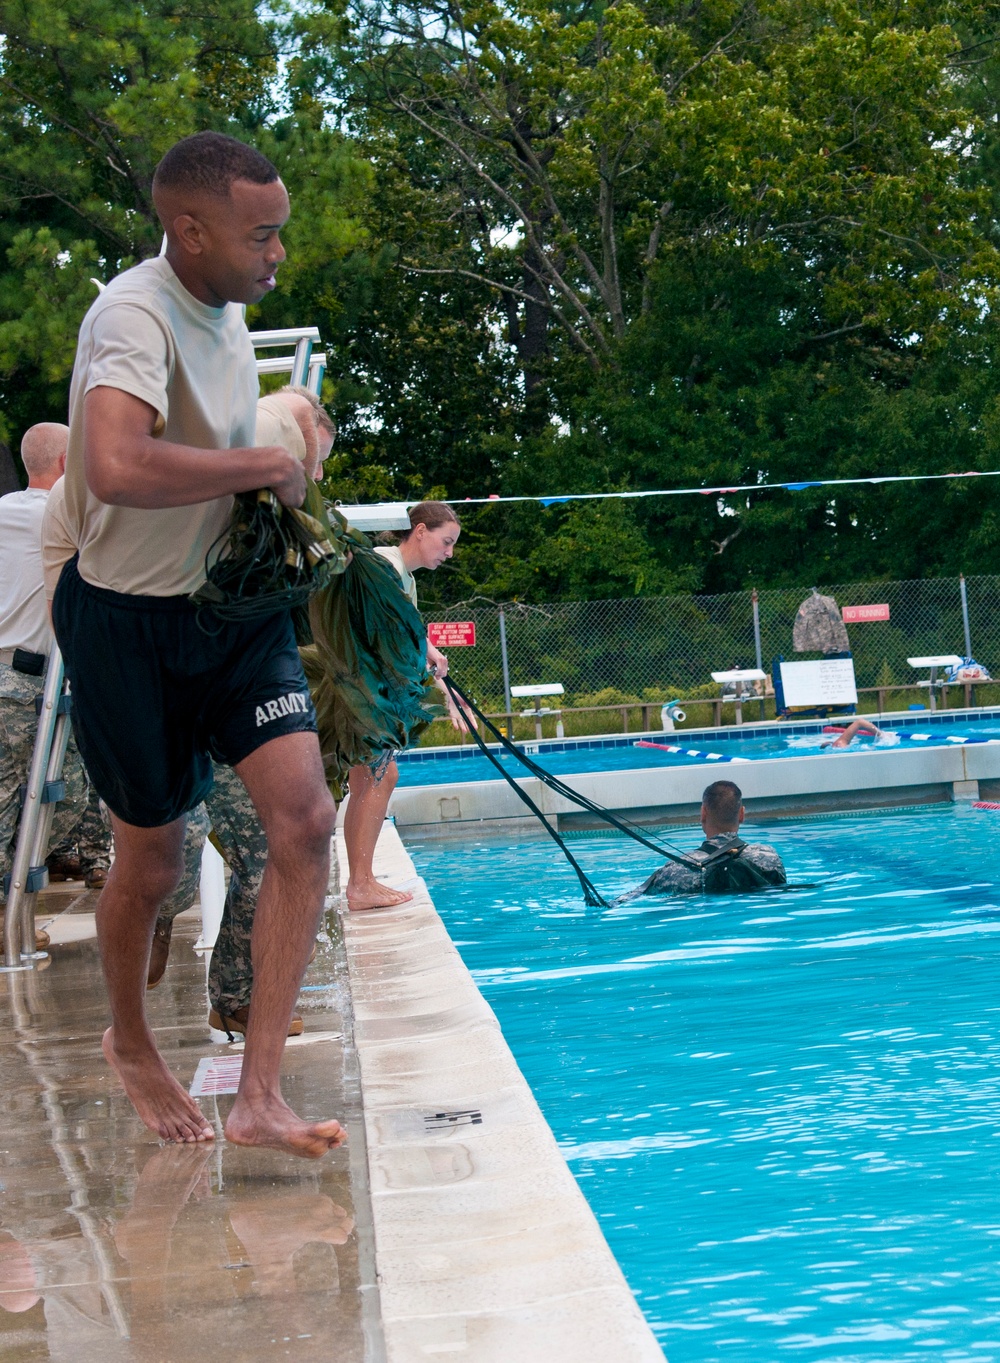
(828, 681)
(217, 1074)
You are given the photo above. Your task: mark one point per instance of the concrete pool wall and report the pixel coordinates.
(849, 779)
(485, 1248)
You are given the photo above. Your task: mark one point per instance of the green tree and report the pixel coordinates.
(724, 244)
(91, 95)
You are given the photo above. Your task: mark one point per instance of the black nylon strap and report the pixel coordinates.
(592, 897)
(560, 787)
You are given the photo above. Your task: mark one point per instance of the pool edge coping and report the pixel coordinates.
(485, 1247)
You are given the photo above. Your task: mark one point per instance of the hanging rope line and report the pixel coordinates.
(555, 784)
(591, 895)
(726, 490)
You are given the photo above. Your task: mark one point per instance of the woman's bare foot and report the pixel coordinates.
(271, 1122)
(372, 894)
(156, 1095)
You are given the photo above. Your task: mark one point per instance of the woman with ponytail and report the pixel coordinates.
(429, 542)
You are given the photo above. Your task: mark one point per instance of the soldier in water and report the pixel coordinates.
(724, 863)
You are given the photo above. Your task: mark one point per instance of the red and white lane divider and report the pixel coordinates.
(699, 754)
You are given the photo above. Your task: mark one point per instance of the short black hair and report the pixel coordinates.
(722, 799)
(209, 163)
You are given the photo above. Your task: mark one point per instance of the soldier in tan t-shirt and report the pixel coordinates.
(292, 417)
(162, 435)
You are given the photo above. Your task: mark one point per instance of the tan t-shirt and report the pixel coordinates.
(146, 335)
(395, 556)
(58, 544)
(276, 425)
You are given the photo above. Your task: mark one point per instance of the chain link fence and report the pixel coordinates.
(652, 649)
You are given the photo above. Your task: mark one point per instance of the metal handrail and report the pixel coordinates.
(283, 336)
(301, 337)
(41, 793)
(285, 364)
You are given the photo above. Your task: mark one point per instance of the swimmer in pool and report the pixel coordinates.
(857, 726)
(727, 865)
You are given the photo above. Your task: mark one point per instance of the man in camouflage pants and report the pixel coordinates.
(239, 836)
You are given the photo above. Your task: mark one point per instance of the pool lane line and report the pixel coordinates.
(702, 754)
(931, 738)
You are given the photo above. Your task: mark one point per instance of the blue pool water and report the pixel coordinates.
(784, 1109)
(715, 747)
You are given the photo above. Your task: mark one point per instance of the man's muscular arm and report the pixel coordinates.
(126, 466)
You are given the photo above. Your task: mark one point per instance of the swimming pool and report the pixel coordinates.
(784, 1109)
(711, 747)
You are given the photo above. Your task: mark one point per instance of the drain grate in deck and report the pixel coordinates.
(443, 1121)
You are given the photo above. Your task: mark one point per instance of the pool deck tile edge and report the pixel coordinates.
(485, 1247)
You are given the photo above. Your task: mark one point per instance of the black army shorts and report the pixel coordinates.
(156, 699)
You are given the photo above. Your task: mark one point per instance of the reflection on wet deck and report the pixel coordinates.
(115, 1247)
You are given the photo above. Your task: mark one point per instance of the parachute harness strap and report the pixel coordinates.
(591, 895)
(560, 787)
(699, 862)
(271, 558)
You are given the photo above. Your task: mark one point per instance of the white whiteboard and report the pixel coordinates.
(830, 681)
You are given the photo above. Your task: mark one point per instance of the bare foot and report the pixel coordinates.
(271, 1122)
(372, 894)
(274, 1229)
(157, 1097)
(169, 1178)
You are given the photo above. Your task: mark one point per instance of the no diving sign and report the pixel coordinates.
(452, 633)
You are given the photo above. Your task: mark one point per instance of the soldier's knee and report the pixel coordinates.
(156, 882)
(307, 828)
(321, 821)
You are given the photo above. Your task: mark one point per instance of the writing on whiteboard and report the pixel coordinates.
(829, 681)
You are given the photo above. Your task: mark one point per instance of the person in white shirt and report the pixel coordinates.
(24, 617)
(25, 643)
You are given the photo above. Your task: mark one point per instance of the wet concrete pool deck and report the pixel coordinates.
(449, 1227)
(115, 1247)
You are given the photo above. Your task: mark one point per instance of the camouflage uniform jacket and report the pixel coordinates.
(675, 879)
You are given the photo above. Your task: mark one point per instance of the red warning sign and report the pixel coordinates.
(853, 615)
(452, 633)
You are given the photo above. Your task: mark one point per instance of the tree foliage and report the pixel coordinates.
(571, 247)
(92, 93)
(722, 243)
